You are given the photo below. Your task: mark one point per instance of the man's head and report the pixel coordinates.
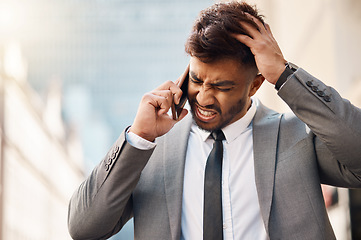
(211, 38)
(223, 73)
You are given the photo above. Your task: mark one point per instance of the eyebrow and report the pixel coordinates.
(218, 83)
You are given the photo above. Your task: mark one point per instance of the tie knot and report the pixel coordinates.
(218, 135)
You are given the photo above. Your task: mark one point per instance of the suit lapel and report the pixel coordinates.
(265, 136)
(174, 160)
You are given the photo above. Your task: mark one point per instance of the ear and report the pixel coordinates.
(256, 84)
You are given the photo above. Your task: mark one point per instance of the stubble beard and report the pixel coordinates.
(225, 118)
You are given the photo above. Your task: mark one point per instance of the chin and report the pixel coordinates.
(206, 127)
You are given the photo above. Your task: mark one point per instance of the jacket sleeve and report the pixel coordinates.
(336, 124)
(103, 204)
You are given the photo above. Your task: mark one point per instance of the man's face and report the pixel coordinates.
(219, 92)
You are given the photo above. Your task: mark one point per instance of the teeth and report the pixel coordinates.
(205, 113)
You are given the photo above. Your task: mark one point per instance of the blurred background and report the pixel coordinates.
(72, 73)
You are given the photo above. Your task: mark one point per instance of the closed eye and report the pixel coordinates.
(222, 86)
(195, 81)
(222, 89)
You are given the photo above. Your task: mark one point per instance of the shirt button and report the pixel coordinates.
(224, 226)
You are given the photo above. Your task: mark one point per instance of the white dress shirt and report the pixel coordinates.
(241, 211)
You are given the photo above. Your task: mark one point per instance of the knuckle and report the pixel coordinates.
(261, 45)
(168, 83)
(147, 96)
(169, 94)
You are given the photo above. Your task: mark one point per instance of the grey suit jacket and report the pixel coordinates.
(292, 156)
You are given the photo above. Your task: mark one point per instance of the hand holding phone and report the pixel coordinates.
(182, 83)
(152, 119)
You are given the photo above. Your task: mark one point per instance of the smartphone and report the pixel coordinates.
(182, 83)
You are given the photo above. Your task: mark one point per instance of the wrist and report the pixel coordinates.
(289, 69)
(138, 142)
(141, 134)
(281, 69)
(277, 69)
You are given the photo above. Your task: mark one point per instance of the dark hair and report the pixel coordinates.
(210, 38)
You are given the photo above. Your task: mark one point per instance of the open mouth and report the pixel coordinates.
(205, 115)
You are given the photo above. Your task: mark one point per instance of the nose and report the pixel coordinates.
(205, 96)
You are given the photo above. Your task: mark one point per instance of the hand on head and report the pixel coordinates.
(268, 56)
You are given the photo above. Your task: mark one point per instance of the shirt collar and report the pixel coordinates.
(231, 131)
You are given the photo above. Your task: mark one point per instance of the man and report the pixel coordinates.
(273, 164)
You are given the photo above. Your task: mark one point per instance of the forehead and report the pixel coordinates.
(220, 70)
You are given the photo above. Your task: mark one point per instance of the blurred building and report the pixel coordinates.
(41, 160)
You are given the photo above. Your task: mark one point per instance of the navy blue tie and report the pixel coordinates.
(212, 210)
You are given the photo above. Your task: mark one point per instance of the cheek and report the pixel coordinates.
(191, 91)
(227, 100)
(232, 104)
(224, 101)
